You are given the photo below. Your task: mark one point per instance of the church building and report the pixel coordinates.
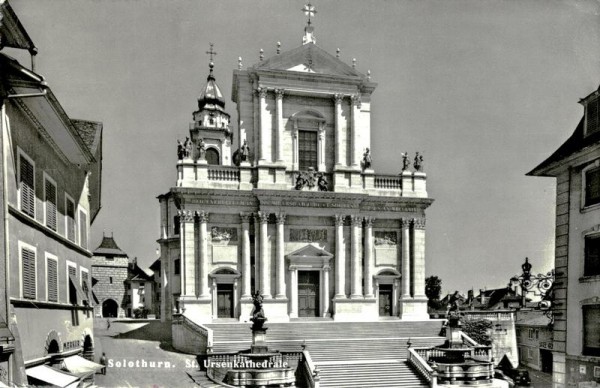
(285, 202)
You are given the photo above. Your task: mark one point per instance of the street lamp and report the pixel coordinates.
(540, 284)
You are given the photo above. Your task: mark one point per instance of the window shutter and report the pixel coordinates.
(28, 272)
(593, 119)
(70, 220)
(50, 205)
(83, 229)
(52, 280)
(27, 187)
(592, 187)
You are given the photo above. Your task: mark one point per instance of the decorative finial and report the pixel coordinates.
(368, 75)
(310, 11)
(262, 54)
(337, 53)
(278, 48)
(239, 63)
(212, 53)
(354, 63)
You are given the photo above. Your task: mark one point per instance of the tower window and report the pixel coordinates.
(307, 150)
(212, 156)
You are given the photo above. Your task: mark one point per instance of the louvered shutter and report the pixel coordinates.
(593, 116)
(50, 205)
(28, 273)
(83, 229)
(52, 281)
(27, 187)
(70, 220)
(592, 187)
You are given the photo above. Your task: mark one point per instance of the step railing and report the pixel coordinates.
(223, 174)
(201, 335)
(307, 374)
(417, 358)
(217, 365)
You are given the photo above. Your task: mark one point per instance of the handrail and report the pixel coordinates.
(313, 371)
(202, 330)
(422, 366)
(468, 340)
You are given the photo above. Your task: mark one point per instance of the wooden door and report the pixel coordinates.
(308, 293)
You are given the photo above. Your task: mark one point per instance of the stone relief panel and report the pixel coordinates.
(385, 238)
(308, 235)
(223, 235)
(386, 244)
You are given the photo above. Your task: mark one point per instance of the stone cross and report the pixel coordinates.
(310, 11)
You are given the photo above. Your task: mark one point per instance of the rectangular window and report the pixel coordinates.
(72, 274)
(52, 279)
(591, 330)
(177, 266)
(27, 185)
(70, 219)
(85, 283)
(591, 265)
(28, 273)
(307, 150)
(50, 201)
(110, 279)
(592, 187)
(176, 225)
(83, 229)
(593, 116)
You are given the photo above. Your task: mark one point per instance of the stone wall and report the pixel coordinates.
(103, 271)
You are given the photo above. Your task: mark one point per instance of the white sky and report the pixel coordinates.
(486, 90)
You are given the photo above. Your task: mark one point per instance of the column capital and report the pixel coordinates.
(262, 92)
(245, 217)
(356, 100)
(202, 216)
(369, 222)
(326, 268)
(279, 93)
(262, 217)
(338, 98)
(405, 223)
(356, 220)
(339, 219)
(185, 215)
(292, 267)
(419, 223)
(280, 218)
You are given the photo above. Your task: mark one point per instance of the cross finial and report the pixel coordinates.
(211, 52)
(310, 11)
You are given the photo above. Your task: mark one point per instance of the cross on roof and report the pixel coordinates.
(211, 52)
(310, 11)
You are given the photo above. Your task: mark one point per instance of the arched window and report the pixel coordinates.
(212, 156)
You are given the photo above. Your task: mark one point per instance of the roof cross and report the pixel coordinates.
(310, 11)
(211, 52)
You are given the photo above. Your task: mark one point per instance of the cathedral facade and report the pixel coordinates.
(294, 211)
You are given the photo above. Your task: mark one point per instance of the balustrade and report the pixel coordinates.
(388, 182)
(222, 173)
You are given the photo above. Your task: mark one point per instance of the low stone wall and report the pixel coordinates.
(190, 337)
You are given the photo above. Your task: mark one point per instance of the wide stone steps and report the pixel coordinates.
(384, 374)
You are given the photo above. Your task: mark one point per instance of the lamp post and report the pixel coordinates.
(540, 284)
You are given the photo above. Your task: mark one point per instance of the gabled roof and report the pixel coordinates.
(310, 251)
(90, 132)
(136, 273)
(12, 32)
(156, 265)
(108, 247)
(309, 58)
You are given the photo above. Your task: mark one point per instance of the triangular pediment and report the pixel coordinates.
(310, 251)
(309, 58)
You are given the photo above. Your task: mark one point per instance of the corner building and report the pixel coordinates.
(296, 211)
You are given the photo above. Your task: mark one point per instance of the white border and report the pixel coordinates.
(50, 256)
(22, 245)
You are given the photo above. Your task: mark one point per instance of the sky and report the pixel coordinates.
(485, 90)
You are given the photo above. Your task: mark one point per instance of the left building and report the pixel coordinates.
(51, 183)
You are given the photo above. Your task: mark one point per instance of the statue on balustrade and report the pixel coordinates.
(245, 151)
(258, 314)
(180, 150)
(187, 147)
(322, 183)
(418, 162)
(405, 161)
(201, 149)
(367, 161)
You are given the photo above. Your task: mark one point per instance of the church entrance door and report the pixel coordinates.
(308, 293)
(385, 300)
(225, 300)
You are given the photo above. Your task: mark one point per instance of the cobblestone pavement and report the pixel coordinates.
(539, 379)
(139, 355)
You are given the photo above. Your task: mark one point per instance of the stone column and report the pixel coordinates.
(295, 161)
(356, 258)
(340, 258)
(405, 258)
(293, 291)
(321, 148)
(419, 257)
(262, 122)
(246, 267)
(355, 148)
(257, 263)
(368, 276)
(265, 259)
(326, 271)
(279, 107)
(203, 241)
(280, 256)
(188, 253)
(338, 98)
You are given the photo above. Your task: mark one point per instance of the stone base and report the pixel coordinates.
(355, 310)
(276, 310)
(413, 309)
(198, 310)
(272, 177)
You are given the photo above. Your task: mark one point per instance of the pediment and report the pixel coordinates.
(310, 251)
(310, 59)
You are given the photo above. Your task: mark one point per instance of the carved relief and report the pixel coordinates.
(185, 215)
(385, 238)
(202, 216)
(419, 223)
(356, 101)
(262, 217)
(369, 222)
(219, 234)
(308, 235)
(280, 218)
(279, 93)
(338, 98)
(339, 219)
(356, 220)
(405, 223)
(262, 92)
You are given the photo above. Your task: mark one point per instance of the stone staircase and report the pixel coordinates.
(347, 354)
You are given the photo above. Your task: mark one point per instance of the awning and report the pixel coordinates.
(82, 297)
(80, 366)
(52, 376)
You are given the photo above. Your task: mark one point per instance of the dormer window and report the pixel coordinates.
(592, 116)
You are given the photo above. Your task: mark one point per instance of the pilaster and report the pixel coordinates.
(338, 98)
(246, 267)
(406, 278)
(279, 107)
(280, 257)
(355, 150)
(368, 248)
(203, 241)
(188, 253)
(356, 263)
(293, 291)
(265, 259)
(263, 116)
(326, 299)
(340, 259)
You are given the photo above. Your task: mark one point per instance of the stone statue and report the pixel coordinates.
(187, 147)
(405, 162)
(418, 162)
(453, 304)
(180, 150)
(245, 151)
(258, 315)
(201, 149)
(306, 178)
(322, 183)
(367, 159)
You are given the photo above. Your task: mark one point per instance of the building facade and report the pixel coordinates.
(297, 211)
(51, 178)
(120, 286)
(534, 339)
(576, 331)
